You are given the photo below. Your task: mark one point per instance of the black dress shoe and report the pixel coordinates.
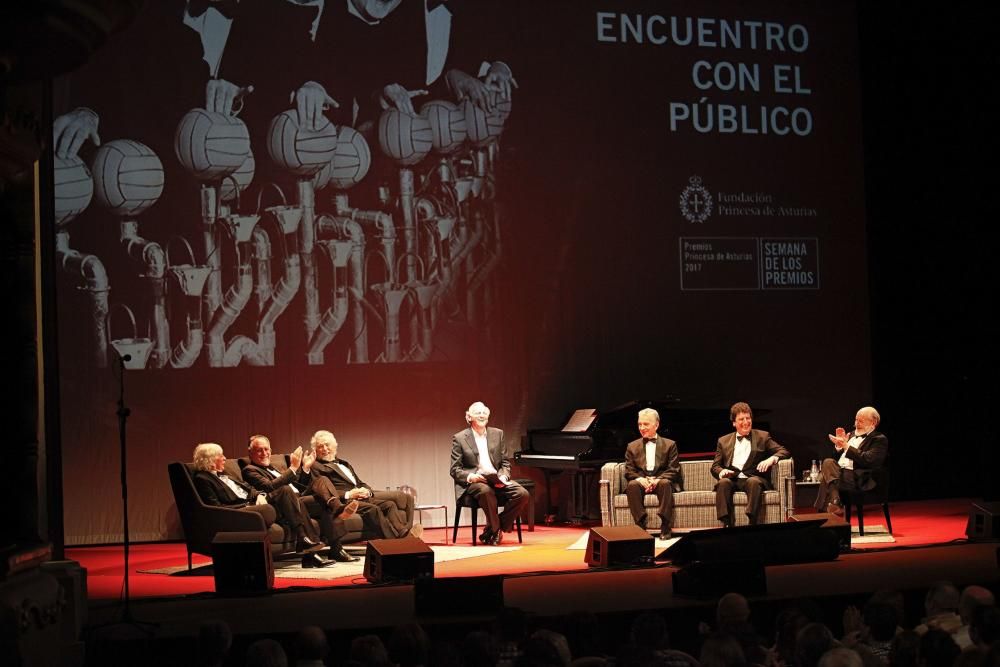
(341, 556)
(313, 560)
(665, 534)
(305, 545)
(486, 537)
(497, 538)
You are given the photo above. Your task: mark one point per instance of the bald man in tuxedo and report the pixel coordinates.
(861, 453)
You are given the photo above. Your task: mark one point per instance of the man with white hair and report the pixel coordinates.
(862, 451)
(652, 465)
(385, 514)
(217, 488)
(481, 468)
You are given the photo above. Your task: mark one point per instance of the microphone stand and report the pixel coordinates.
(123, 413)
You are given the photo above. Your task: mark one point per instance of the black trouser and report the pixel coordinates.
(753, 486)
(513, 497)
(833, 478)
(664, 491)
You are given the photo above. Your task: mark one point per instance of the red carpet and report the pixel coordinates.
(914, 524)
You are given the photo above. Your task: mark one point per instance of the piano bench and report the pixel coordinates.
(529, 486)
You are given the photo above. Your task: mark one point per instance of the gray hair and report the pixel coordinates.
(475, 406)
(871, 413)
(204, 455)
(649, 412)
(322, 438)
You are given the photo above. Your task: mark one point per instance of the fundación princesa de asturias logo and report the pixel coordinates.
(696, 201)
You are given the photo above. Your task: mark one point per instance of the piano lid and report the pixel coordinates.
(695, 429)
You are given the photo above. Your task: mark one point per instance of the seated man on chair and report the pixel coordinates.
(862, 451)
(316, 493)
(481, 469)
(742, 460)
(652, 465)
(386, 514)
(281, 505)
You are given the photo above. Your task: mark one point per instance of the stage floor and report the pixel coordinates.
(542, 577)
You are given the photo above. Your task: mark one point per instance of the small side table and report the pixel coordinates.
(420, 509)
(805, 494)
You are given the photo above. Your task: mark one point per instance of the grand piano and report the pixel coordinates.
(581, 453)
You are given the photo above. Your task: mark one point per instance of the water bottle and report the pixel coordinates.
(814, 471)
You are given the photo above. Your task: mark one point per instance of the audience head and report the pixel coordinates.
(811, 643)
(840, 657)
(733, 609)
(941, 598)
(539, 651)
(479, 649)
(881, 619)
(721, 650)
(984, 629)
(893, 598)
(971, 599)
(937, 649)
(557, 641)
(311, 644)
(409, 645)
(370, 651)
(266, 653)
(585, 634)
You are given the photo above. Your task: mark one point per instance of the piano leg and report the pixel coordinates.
(582, 481)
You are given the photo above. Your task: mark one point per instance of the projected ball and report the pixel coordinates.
(299, 150)
(237, 182)
(74, 188)
(128, 177)
(351, 160)
(404, 138)
(482, 127)
(502, 106)
(447, 125)
(211, 145)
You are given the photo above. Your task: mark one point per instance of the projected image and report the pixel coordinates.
(295, 183)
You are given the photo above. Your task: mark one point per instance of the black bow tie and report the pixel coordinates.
(434, 4)
(743, 437)
(645, 440)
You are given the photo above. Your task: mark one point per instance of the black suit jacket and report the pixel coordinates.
(213, 491)
(261, 479)
(762, 445)
(667, 464)
(340, 481)
(868, 457)
(465, 456)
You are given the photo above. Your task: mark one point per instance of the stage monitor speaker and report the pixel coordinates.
(403, 559)
(241, 562)
(716, 578)
(769, 543)
(619, 545)
(831, 522)
(440, 597)
(984, 521)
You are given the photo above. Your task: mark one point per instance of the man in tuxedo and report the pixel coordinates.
(862, 452)
(480, 468)
(742, 461)
(315, 493)
(652, 465)
(386, 514)
(219, 489)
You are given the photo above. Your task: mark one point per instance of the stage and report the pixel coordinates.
(544, 577)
